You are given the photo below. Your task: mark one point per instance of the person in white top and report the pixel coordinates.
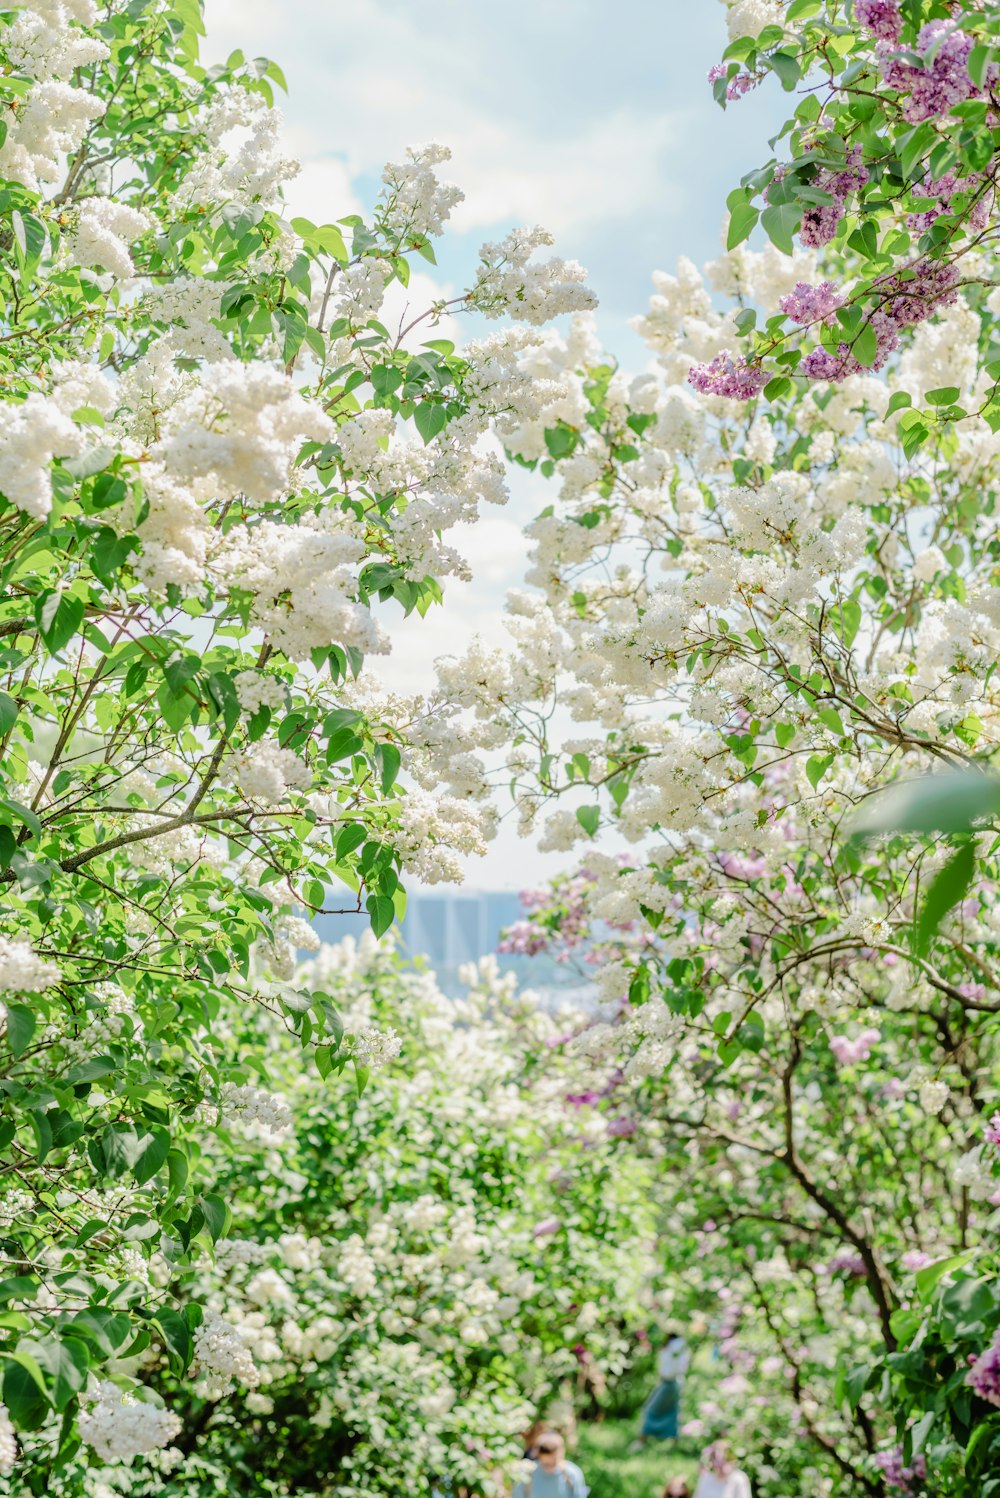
(719, 1476)
(661, 1412)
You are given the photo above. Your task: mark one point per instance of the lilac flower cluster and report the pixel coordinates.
(730, 375)
(739, 84)
(880, 17)
(984, 1375)
(848, 1052)
(906, 297)
(820, 221)
(849, 1262)
(896, 1474)
(808, 304)
(991, 1132)
(942, 82)
(942, 192)
(524, 938)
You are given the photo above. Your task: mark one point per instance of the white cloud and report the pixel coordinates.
(368, 80)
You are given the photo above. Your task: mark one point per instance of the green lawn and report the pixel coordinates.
(612, 1471)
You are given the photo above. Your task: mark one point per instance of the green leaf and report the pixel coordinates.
(24, 1391)
(65, 1363)
(787, 68)
(950, 886)
(382, 913)
(932, 1275)
(846, 618)
(153, 1149)
(429, 418)
(349, 838)
(218, 1218)
(20, 1028)
(388, 759)
(58, 616)
(817, 766)
(589, 818)
(897, 402)
(952, 801)
(8, 713)
(865, 346)
(781, 222)
(177, 1338)
(947, 395)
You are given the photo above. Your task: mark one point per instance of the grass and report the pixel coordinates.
(612, 1471)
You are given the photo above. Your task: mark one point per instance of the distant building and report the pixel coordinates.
(457, 927)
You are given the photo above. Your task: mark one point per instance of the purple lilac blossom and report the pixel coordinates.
(911, 295)
(941, 194)
(849, 1052)
(847, 1261)
(820, 221)
(740, 83)
(942, 82)
(896, 1474)
(547, 1228)
(984, 1375)
(880, 17)
(992, 1131)
(808, 304)
(729, 375)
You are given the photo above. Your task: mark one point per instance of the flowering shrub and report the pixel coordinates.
(411, 1273)
(754, 601)
(217, 463)
(888, 160)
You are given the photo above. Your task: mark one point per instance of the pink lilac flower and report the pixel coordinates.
(848, 1052)
(984, 1375)
(847, 1261)
(729, 375)
(808, 304)
(547, 1228)
(940, 193)
(942, 82)
(739, 84)
(820, 221)
(622, 1128)
(992, 1131)
(896, 1474)
(880, 17)
(914, 1259)
(913, 294)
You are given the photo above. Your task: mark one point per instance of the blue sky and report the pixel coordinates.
(590, 117)
(593, 118)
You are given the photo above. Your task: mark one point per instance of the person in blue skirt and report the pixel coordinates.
(661, 1412)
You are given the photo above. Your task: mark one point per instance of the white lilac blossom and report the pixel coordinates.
(21, 968)
(509, 283)
(104, 231)
(243, 1105)
(266, 772)
(32, 433)
(376, 1048)
(223, 1357)
(8, 1443)
(416, 202)
(120, 1427)
(256, 689)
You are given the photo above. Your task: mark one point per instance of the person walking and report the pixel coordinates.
(661, 1412)
(719, 1476)
(553, 1476)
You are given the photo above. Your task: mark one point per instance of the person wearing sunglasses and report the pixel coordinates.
(553, 1476)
